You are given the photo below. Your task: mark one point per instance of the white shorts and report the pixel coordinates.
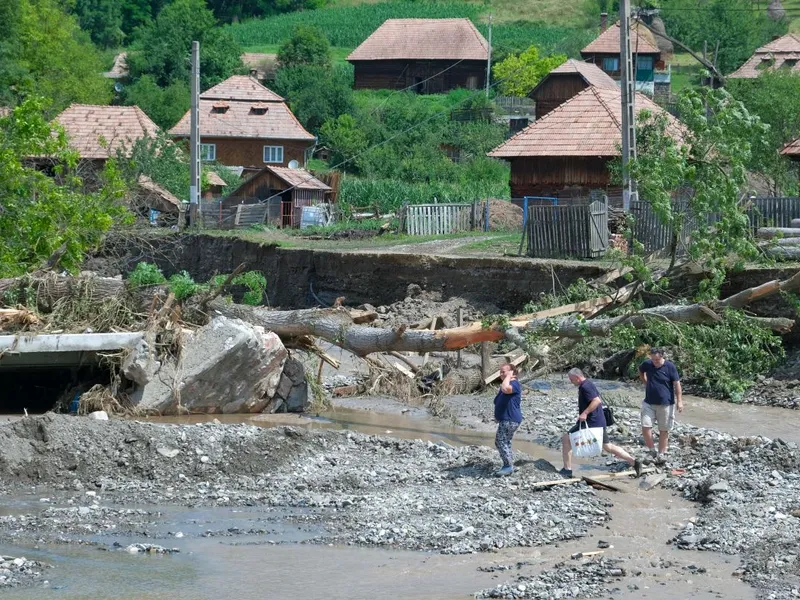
(663, 414)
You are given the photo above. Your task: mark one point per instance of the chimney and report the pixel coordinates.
(603, 22)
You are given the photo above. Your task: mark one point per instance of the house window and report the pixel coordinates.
(273, 154)
(208, 152)
(644, 63)
(611, 65)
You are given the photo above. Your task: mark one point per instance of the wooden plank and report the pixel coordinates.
(603, 476)
(517, 361)
(579, 555)
(600, 485)
(405, 359)
(403, 370)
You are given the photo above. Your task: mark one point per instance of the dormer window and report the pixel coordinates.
(766, 62)
(789, 63)
(220, 108)
(260, 108)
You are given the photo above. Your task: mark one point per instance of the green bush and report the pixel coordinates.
(183, 286)
(146, 274)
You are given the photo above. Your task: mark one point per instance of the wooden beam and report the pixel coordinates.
(517, 361)
(545, 484)
(405, 359)
(600, 485)
(403, 370)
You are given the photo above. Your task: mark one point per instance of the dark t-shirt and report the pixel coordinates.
(507, 406)
(660, 382)
(587, 391)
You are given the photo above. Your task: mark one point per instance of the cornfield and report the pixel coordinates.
(348, 26)
(388, 195)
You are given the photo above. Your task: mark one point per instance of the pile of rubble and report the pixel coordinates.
(19, 572)
(419, 307)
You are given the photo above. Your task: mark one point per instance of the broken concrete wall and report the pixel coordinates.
(228, 366)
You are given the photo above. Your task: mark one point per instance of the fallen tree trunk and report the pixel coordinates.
(49, 288)
(767, 233)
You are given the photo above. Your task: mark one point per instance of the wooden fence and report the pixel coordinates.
(773, 211)
(568, 231)
(217, 216)
(439, 219)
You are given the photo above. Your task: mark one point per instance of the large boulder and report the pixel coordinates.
(292, 392)
(228, 366)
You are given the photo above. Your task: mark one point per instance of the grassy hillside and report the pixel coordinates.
(348, 25)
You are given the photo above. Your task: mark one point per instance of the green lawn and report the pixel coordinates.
(339, 55)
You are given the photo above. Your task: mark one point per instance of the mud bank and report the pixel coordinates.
(375, 278)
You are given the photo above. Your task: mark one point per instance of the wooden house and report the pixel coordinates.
(647, 59)
(425, 55)
(286, 191)
(244, 124)
(566, 153)
(781, 54)
(566, 81)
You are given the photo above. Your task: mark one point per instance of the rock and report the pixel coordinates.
(775, 10)
(228, 366)
(168, 452)
(651, 481)
(99, 415)
(292, 392)
(721, 486)
(140, 365)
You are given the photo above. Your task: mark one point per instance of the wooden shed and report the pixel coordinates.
(428, 56)
(566, 153)
(566, 81)
(285, 190)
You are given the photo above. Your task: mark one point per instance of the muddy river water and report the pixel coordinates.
(280, 565)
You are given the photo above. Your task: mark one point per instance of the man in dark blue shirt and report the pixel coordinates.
(508, 414)
(590, 410)
(663, 393)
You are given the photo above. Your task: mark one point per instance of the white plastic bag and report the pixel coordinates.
(587, 441)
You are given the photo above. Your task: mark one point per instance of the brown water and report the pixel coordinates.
(252, 568)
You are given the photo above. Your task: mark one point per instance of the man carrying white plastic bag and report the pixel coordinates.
(589, 436)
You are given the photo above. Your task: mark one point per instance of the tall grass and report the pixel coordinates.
(348, 26)
(388, 195)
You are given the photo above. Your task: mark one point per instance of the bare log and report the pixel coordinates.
(785, 252)
(767, 233)
(764, 290)
(50, 288)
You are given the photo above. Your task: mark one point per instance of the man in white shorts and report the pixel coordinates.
(663, 394)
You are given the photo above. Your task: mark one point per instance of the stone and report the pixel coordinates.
(99, 415)
(227, 366)
(291, 394)
(140, 365)
(651, 481)
(168, 452)
(721, 486)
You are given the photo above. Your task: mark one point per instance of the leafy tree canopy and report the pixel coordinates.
(517, 75)
(164, 105)
(163, 47)
(41, 213)
(737, 25)
(315, 93)
(307, 46)
(708, 170)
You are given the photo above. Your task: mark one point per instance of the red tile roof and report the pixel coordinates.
(214, 179)
(772, 56)
(792, 149)
(591, 74)
(245, 117)
(423, 39)
(589, 124)
(98, 131)
(240, 120)
(241, 87)
(168, 200)
(299, 178)
(642, 42)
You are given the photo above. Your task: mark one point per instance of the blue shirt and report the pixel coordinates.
(660, 380)
(507, 406)
(587, 391)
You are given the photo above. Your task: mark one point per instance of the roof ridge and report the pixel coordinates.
(611, 113)
(481, 40)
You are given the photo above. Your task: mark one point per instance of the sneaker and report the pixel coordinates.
(565, 473)
(504, 471)
(637, 467)
(661, 459)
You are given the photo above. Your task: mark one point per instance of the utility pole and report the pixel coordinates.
(194, 137)
(627, 87)
(489, 58)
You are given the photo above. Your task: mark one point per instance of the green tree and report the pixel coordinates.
(343, 136)
(164, 105)
(315, 94)
(102, 19)
(709, 169)
(41, 213)
(55, 59)
(307, 46)
(737, 25)
(775, 98)
(163, 48)
(517, 75)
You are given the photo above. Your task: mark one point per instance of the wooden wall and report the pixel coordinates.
(555, 90)
(400, 74)
(558, 177)
(249, 152)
